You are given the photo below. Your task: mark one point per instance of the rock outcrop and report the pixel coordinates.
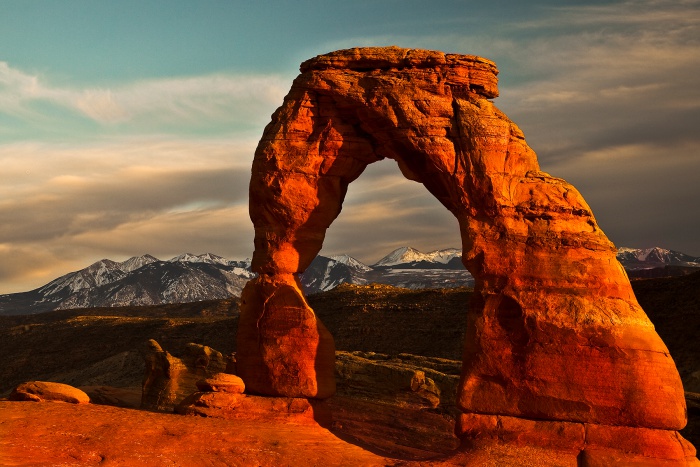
(168, 379)
(46, 391)
(401, 405)
(555, 332)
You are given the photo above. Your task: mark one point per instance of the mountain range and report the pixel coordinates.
(656, 262)
(146, 280)
(404, 267)
(141, 280)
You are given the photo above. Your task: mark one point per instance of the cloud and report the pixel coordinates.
(184, 100)
(642, 195)
(73, 204)
(225, 230)
(607, 75)
(100, 105)
(384, 211)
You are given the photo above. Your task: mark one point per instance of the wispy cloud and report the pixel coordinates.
(78, 203)
(383, 211)
(171, 100)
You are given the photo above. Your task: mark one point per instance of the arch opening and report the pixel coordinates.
(384, 211)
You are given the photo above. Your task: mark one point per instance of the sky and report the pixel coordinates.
(128, 127)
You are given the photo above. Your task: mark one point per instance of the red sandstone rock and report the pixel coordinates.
(169, 379)
(400, 381)
(555, 331)
(395, 429)
(44, 391)
(591, 444)
(222, 382)
(118, 397)
(88, 435)
(283, 350)
(566, 436)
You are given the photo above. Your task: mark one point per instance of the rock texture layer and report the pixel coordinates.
(555, 331)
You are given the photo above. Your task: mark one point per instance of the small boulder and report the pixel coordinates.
(222, 382)
(38, 391)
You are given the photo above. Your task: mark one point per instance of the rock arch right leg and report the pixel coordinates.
(555, 333)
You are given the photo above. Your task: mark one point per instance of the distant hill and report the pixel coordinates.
(146, 280)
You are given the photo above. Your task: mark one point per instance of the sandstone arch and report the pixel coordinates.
(556, 332)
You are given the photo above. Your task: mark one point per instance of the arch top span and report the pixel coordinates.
(471, 72)
(429, 111)
(555, 332)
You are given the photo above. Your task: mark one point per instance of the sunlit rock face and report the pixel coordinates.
(555, 332)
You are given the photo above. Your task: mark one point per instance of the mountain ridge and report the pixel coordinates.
(147, 280)
(140, 280)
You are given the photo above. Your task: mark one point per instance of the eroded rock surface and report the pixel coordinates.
(555, 331)
(168, 379)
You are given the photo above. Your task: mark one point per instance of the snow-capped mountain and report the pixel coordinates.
(141, 280)
(656, 262)
(328, 273)
(403, 267)
(410, 257)
(350, 262)
(136, 262)
(410, 268)
(204, 258)
(635, 258)
(407, 255)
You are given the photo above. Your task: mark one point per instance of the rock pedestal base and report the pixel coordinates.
(283, 349)
(169, 379)
(583, 444)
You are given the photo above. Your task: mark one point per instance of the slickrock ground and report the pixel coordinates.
(90, 435)
(50, 434)
(101, 435)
